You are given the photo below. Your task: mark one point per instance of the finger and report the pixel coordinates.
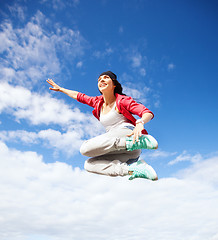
(49, 81)
(136, 136)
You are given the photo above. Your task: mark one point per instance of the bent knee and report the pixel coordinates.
(87, 166)
(83, 149)
(87, 149)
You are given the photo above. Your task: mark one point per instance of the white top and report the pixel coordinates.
(113, 119)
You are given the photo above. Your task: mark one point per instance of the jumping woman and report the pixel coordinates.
(116, 152)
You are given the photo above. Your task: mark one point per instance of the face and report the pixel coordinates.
(105, 84)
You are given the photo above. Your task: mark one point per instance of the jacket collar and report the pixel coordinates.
(101, 101)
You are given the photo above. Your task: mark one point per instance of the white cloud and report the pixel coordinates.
(136, 91)
(157, 103)
(36, 108)
(13, 97)
(160, 154)
(102, 54)
(137, 61)
(171, 66)
(59, 4)
(68, 142)
(132, 92)
(79, 64)
(19, 135)
(18, 11)
(109, 51)
(186, 157)
(45, 110)
(142, 72)
(54, 201)
(29, 54)
(205, 171)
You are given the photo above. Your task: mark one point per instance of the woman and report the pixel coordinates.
(116, 152)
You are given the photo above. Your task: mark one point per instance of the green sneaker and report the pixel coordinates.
(141, 169)
(145, 142)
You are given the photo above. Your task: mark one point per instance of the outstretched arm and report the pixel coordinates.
(57, 88)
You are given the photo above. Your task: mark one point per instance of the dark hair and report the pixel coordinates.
(118, 88)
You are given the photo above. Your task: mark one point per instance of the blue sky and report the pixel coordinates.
(165, 55)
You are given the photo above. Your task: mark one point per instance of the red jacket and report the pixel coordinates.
(126, 105)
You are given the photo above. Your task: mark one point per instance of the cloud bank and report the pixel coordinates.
(56, 201)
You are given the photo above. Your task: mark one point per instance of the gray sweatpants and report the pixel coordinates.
(108, 154)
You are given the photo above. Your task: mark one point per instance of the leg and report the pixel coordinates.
(106, 143)
(112, 164)
(116, 140)
(117, 165)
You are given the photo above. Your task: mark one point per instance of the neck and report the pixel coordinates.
(109, 98)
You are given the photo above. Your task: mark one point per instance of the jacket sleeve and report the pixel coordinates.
(136, 108)
(85, 99)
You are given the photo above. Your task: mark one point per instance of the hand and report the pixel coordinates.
(54, 85)
(137, 132)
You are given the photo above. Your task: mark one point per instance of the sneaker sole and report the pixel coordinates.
(155, 178)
